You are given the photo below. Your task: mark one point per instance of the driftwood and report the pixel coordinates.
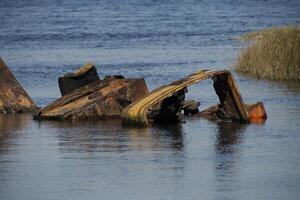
(13, 98)
(101, 99)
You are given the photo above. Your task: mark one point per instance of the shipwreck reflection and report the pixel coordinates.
(228, 137)
(112, 136)
(175, 135)
(88, 136)
(158, 137)
(9, 123)
(227, 154)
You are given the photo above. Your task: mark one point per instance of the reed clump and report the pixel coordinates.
(273, 53)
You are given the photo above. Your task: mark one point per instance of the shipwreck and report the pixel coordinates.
(167, 102)
(84, 96)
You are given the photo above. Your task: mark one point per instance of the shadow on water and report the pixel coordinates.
(159, 136)
(87, 136)
(227, 154)
(112, 136)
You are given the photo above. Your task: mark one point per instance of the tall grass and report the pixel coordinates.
(272, 53)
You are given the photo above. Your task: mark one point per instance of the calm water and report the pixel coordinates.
(161, 41)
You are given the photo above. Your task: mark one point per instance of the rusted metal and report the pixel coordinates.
(101, 99)
(13, 98)
(256, 112)
(231, 105)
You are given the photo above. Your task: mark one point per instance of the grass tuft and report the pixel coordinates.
(272, 53)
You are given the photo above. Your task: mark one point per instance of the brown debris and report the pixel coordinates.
(166, 103)
(210, 113)
(13, 98)
(256, 113)
(227, 110)
(101, 99)
(190, 107)
(169, 110)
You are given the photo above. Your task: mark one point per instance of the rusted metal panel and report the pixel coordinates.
(13, 98)
(231, 102)
(101, 99)
(256, 112)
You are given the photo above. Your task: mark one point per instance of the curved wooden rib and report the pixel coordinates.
(136, 112)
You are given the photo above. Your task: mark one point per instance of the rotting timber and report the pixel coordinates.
(13, 98)
(166, 102)
(86, 97)
(98, 100)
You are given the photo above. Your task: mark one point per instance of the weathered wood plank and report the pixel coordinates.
(102, 99)
(13, 98)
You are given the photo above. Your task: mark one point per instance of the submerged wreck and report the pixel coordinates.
(165, 104)
(87, 97)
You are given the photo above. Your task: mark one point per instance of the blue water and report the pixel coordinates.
(161, 41)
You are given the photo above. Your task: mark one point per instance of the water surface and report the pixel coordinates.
(161, 41)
